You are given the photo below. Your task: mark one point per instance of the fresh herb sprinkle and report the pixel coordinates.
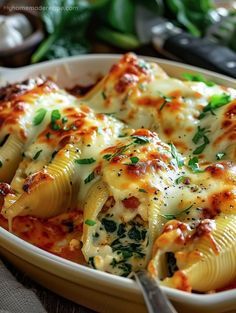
(220, 155)
(37, 154)
(39, 117)
(90, 222)
(89, 178)
(177, 156)
(85, 161)
(193, 164)
(216, 101)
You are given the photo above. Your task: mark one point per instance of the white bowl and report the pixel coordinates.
(97, 290)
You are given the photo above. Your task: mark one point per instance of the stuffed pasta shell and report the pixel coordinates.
(53, 164)
(18, 104)
(122, 212)
(197, 117)
(196, 250)
(143, 184)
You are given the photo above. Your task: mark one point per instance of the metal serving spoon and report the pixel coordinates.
(155, 299)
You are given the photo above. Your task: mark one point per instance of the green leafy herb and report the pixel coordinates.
(175, 216)
(109, 225)
(37, 154)
(64, 119)
(200, 135)
(193, 164)
(198, 78)
(69, 29)
(119, 151)
(180, 179)
(140, 140)
(216, 101)
(201, 148)
(54, 154)
(121, 230)
(85, 161)
(166, 100)
(66, 28)
(177, 156)
(220, 155)
(39, 117)
(120, 15)
(89, 178)
(142, 190)
(124, 41)
(134, 160)
(55, 116)
(48, 135)
(134, 234)
(122, 135)
(90, 222)
(104, 95)
(107, 157)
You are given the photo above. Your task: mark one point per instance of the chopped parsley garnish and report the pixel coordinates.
(122, 135)
(85, 161)
(89, 178)
(107, 157)
(48, 135)
(220, 155)
(104, 95)
(216, 101)
(90, 222)
(109, 225)
(166, 100)
(109, 113)
(119, 151)
(177, 156)
(194, 77)
(64, 119)
(193, 164)
(142, 190)
(37, 154)
(180, 179)
(55, 116)
(201, 135)
(54, 154)
(140, 140)
(134, 160)
(39, 117)
(174, 216)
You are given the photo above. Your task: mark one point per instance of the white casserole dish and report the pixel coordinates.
(97, 290)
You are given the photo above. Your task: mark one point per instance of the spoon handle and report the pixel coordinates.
(155, 299)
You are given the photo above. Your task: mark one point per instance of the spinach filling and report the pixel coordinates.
(171, 264)
(128, 242)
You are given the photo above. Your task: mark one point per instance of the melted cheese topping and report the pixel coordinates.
(141, 95)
